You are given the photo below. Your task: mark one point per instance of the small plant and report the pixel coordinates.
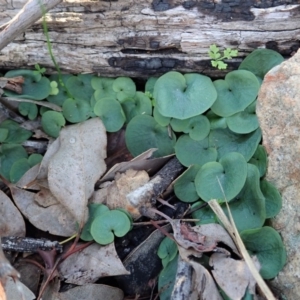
(217, 58)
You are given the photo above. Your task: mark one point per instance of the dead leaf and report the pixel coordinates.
(116, 194)
(216, 233)
(140, 163)
(188, 238)
(92, 291)
(11, 221)
(17, 290)
(204, 286)
(77, 165)
(28, 179)
(92, 263)
(233, 276)
(54, 218)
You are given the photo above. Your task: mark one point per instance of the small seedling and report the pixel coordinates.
(217, 59)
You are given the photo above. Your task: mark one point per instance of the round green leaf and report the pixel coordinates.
(245, 121)
(34, 87)
(167, 251)
(34, 159)
(160, 119)
(16, 134)
(103, 87)
(267, 245)
(198, 127)
(273, 200)
(28, 109)
(235, 93)
(143, 133)
(9, 154)
(124, 87)
(138, 105)
(259, 159)
(226, 141)
(204, 214)
(184, 186)
(3, 134)
(52, 122)
(179, 125)
(183, 97)
(223, 179)
(248, 207)
(261, 61)
(80, 86)
(111, 113)
(18, 169)
(108, 224)
(191, 152)
(216, 122)
(62, 95)
(149, 87)
(166, 279)
(95, 210)
(76, 111)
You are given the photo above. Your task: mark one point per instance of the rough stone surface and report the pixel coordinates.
(278, 111)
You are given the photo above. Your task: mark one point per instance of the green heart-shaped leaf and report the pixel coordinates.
(76, 110)
(103, 87)
(267, 245)
(138, 105)
(111, 113)
(235, 93)
(167, 251)
(166, 279)
(223, 179)
(245, 121)
(191, 152)
(28, 109)
(183, 96)
(261, 61)
(226, 141)
(14, 134)
(34, 159)
(273, 200)
(248, 207)
(149, 87)
(184, 185)
(108, 225)
(159, 118)
(260, 159)
(9, 154)
(18, 169)
(143, 133)
(52, 122)
(204, 214)
(34, 86)
(216, 122)
(124, 87)
(80, 86)
(95, 210)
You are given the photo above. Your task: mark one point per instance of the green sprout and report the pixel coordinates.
(217, 59)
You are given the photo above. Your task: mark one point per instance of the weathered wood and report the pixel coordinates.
(140, 38)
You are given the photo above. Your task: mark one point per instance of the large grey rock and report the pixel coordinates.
(278, 110)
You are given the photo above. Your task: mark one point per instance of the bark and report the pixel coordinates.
(140, 38)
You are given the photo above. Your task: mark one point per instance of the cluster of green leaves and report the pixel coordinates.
(15, 160)
(218, 138)
(104, 224)
(217, 58)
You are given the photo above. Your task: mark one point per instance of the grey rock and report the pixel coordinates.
(278, 111)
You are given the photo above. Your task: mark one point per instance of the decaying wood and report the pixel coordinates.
(140, 38)
(28, 15)
(26, 244)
